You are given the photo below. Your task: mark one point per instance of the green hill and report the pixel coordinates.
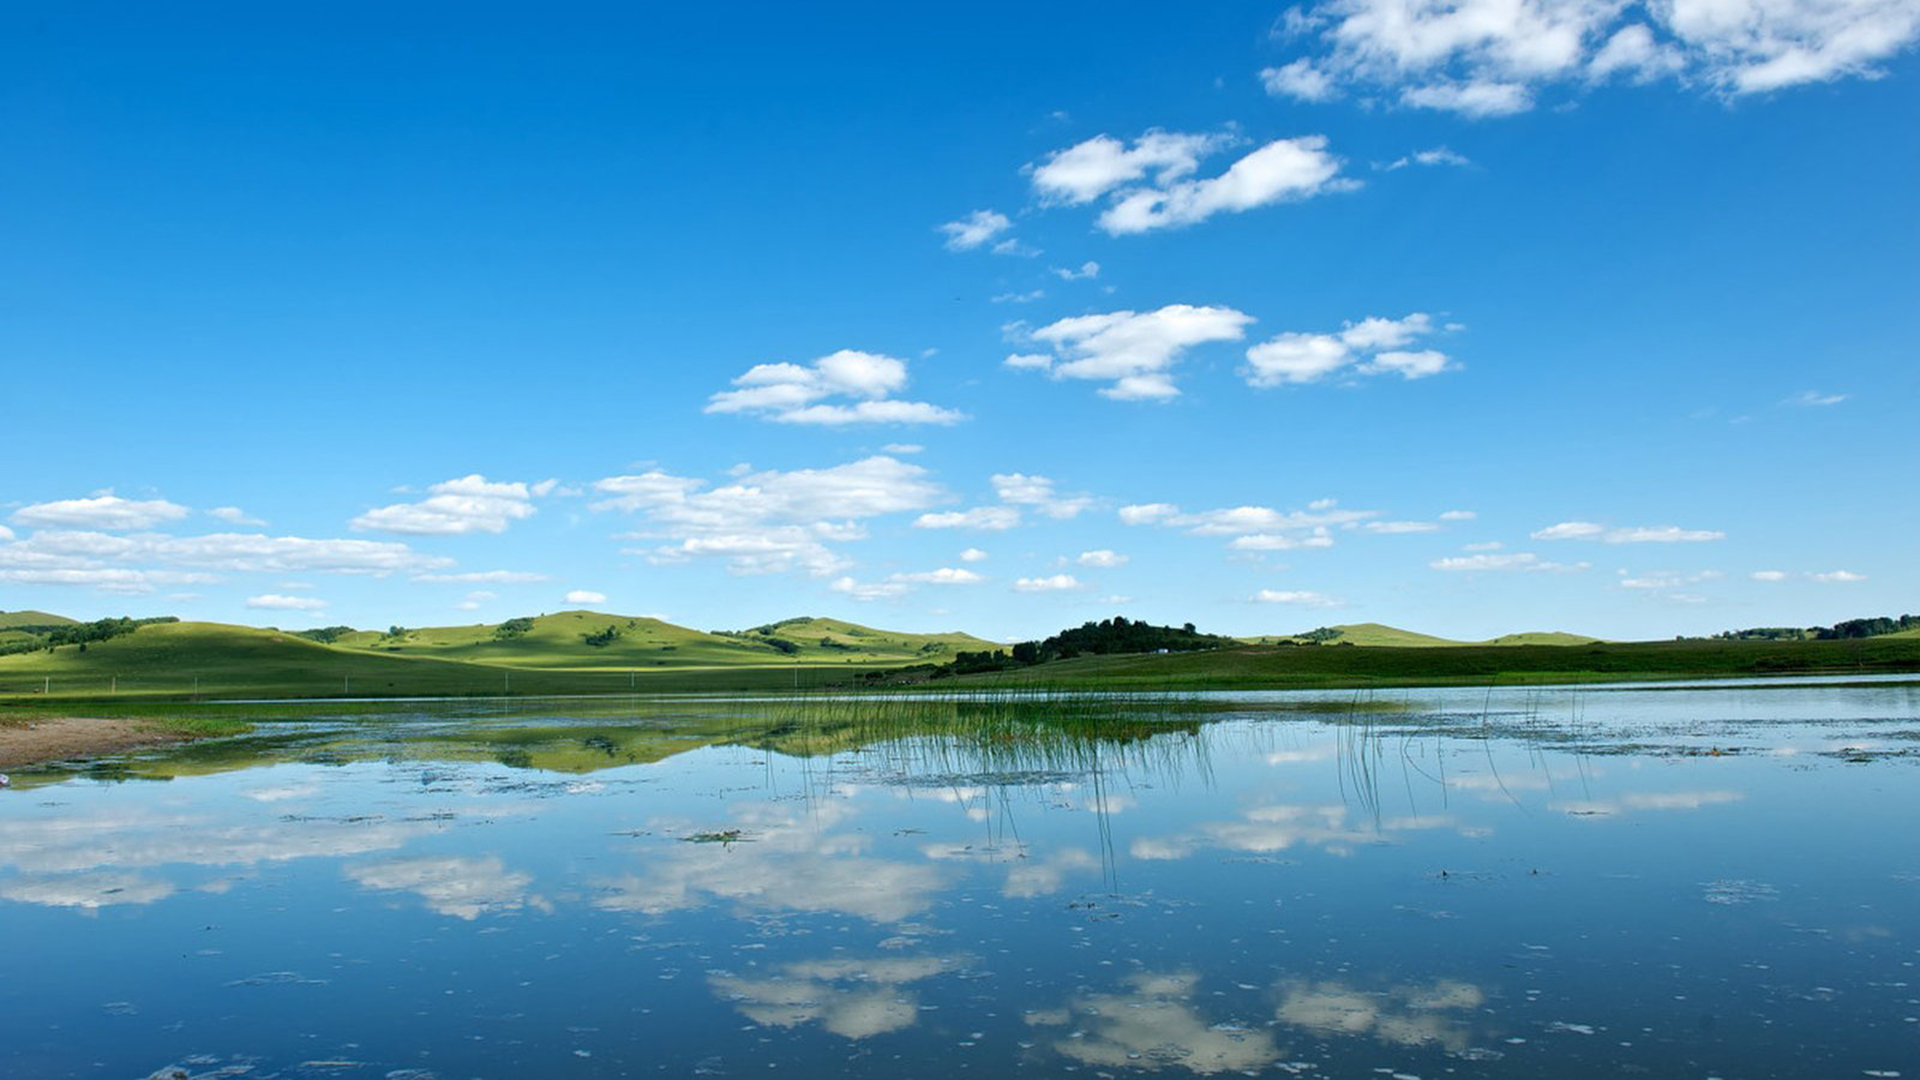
(213, 660)
(12, 619)
(588, 640)
(1378, 635)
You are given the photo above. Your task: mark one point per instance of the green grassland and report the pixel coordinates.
(1324, 666)
(551, 655)
(1377, 635)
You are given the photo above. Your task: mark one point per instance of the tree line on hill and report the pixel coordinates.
(1840, 631)
(1115, 635)
(81, 634)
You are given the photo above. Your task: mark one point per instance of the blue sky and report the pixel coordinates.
(1469, 318)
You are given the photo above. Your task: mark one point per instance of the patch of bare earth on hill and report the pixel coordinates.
(63, 738)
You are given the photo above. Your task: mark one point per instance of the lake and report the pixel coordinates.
(1673, 881)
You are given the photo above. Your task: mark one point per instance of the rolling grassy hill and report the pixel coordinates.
(12, 619)
(566, 641)
(1377, 635)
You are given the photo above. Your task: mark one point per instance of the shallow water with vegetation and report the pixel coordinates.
(1683, 881)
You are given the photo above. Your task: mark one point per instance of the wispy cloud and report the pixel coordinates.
(975, 230)
(1639, 534)
(469, 504)
(1133, 352)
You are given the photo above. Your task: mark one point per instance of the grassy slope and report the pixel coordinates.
(33, 618)
(1377, 635)
(557, 641)
(238, 661)
(1338, 666)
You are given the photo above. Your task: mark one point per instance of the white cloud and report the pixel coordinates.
(1641, 534)
(1133, 351)
(1484, 545)
(276, 602)
(1768, 575)
(1399, 528)
(1299, 80)
(1438, 155)
(464, 887)
(1088, 270)
(1102, 559)
(1458, 515)
(1088, 170)
(1018, 298)
(475, 599)
(1295, 597)
(233, 515)
(869, 590)
(585, 596)
(140, 562)
(1662, 581)
(469, 504)
(975, 229)
(1493, 57)
(1815, 399)
(1372, 346)
(902, 448)
(485, 577)
(105, 511)
(1020, 489)
(982, 518)
(946, 575)
(1284, 170)
(5, 533)
(1055, 583)
(797, 394)
(1517, 561)
(771, 521)
(1838, 577)
(973, 554)
(1254, 528)
(1150, 182)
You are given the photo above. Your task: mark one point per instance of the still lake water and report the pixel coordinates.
(1716, 881)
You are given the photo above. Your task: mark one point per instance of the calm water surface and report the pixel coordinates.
(1674, 882)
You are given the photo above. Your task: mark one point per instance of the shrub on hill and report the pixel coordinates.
(512, 628)
(325, 635)
(81, 634)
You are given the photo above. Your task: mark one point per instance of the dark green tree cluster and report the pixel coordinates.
(81, 634)
(512, 628)
(1110, 636)
(325, 635)
(1841, 631)
(600, 639)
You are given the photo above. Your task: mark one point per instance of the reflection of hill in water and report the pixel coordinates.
(995, 740)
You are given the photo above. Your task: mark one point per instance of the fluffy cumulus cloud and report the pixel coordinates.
(1494, 57)
(1640, 534)
(1102, 559)
(469, 504)
(1150, 184)
(1255, 528)
(1132, 352)
(105, 511)
(585, 596)
(1021, 489)
(1372, 346)
(277, 602)
(975, 230)
(804, 393)
(1053, 583)
(771, 521)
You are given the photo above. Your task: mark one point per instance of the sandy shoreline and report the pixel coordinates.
(64, 738)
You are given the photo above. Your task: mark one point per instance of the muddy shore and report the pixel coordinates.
(64, 738)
